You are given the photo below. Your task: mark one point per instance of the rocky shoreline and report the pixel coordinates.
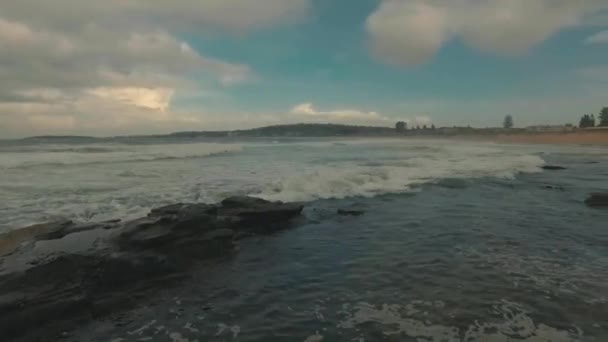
(58, 275)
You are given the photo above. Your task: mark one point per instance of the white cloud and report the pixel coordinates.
(158, 99)
(410, 32)
(309, 112)
(407, 32)
(69, 64)
(97, 112)
(232, 15)
(598, 38)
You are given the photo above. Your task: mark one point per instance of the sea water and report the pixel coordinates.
(459, 241)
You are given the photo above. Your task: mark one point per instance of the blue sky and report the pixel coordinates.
(326, 60)
(209, 64)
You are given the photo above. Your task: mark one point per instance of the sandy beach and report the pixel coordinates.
(579, 137)
(597, 137)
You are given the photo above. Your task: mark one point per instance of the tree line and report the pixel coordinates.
(588, 120)
(401, 126)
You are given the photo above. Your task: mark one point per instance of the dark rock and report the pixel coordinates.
(598, 199)
(248, 213)
(73, 288)
(552, 167)
(173, 227)
(345, 212)
(50, 294)
(553, 187)
(220, 234)
(71, 229)
(243, 202)
(171, 209)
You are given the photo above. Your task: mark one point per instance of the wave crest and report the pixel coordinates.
(367, 181)
(107, 155)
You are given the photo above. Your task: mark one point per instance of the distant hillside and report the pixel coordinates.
(297, 130)
(63, 138)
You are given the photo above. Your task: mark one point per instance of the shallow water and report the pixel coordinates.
(459, 242)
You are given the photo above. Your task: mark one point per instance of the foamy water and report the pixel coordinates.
(459, 242)
(111, 180)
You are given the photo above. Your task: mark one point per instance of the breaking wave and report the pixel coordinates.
(367, 180)
(61, 155)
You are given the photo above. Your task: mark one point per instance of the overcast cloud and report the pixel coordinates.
(411, 32)
(95, 66)
(117, 66)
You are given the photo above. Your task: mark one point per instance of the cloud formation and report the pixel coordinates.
(598, 38)
(307, 111)
(65, 65)
(411, 32)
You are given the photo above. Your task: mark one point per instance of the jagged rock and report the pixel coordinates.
(346, 212)
(51, 294)
(553, 167)
(180, 224)
(77, 288)
(598, 199)
(248, 213)
(243, 202)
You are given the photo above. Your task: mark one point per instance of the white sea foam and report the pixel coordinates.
(123, 182)
(512, 323)
(57, 155)
(370, 179)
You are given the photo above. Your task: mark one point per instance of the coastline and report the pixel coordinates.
(578, 137)
(598, 137)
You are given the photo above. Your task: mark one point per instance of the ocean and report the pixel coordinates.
(458, 241)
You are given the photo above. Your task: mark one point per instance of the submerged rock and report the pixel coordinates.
(52, 293)
(258, 215)
(71, 288)
(554, 187)
(347, 212)
(9, 242)
(598, 199)
(552, 167)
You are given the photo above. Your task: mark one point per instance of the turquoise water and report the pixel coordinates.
(459, 241)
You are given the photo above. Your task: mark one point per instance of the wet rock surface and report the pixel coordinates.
(350, 212)
(598, 199)
(553, 167)
(46, 287)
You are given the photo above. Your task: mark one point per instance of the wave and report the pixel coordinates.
(57, 156)
(368, 180)
(512, 322)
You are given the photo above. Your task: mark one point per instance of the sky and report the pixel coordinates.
(118, 67)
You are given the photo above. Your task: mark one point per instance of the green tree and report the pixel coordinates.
(603, 117)
(401, 126)
(424, 127)
(587, 121)
(433, 127)
(508, 122)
